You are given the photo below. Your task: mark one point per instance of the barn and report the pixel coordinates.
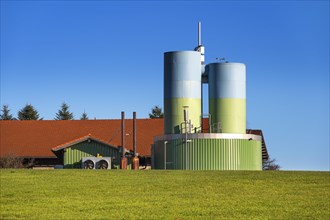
(72, 152)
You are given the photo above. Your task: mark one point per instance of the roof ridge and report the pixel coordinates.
(69, 142)
(77, 120)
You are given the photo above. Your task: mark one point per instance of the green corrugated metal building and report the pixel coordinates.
(87, 146)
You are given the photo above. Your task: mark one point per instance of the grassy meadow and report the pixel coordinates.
(151, 194)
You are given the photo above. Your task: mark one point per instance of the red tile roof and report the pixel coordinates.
(37, 138)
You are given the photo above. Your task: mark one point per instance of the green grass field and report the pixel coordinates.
(117, 194)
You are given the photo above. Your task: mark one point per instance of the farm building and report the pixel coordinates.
(61, 142)
(72, 152)
(52, 142)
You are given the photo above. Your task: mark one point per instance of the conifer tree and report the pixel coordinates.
(6, 113)
(156, 112)
(84, 116)
(64, 113)
(28, 112)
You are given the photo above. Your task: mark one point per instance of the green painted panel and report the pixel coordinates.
(73, 154)
(231, 113)
(209, 154)
(173, 113)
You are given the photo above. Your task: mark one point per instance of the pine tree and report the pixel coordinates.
(156, 112)
(64, 113)
(84, 116)
(28, 113)
(5, 113)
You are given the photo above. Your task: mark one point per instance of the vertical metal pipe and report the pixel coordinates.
(123, 133)
(190, 126)
(134, 133)
(210, 123)
(165, 142)
(186, 118)
(201, 123)
(123, 161)
(199, 34)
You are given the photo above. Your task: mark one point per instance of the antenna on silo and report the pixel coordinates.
(199, 34)
(200, 47)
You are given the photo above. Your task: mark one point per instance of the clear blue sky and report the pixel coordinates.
(107, 57)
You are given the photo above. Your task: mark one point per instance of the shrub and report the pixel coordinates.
(13, 161)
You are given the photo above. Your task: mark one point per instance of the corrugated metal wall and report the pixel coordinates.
(209, 154)
(73, 154)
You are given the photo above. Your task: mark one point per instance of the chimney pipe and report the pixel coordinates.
(200, 48)
(135, 162)
(123, 161)
(123, 132)
(134, 133)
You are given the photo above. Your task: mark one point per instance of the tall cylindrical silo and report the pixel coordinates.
(227, 96)
(182, 88)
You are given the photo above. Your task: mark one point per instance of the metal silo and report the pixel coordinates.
(227, 97)
(227, 146)
(182, 89)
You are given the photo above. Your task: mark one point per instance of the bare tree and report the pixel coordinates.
(270, 164)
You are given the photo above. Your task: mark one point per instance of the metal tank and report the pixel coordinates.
(182, 90)
(227, 97)
(208, 152)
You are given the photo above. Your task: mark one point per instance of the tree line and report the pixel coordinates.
(29, 112)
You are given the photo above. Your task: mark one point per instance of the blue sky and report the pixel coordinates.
(106, 57)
